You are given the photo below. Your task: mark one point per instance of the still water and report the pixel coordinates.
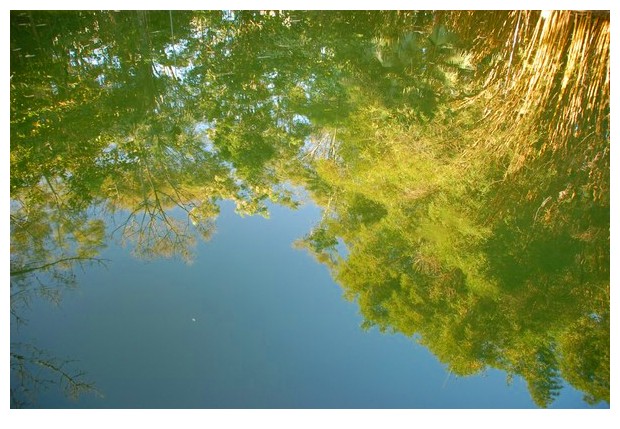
(308, 210)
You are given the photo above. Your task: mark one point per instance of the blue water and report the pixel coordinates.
(252, 323)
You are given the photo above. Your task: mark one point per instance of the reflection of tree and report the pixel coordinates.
(157, 178)
(552, 66)
(49, 239)
(473, 216)
(554, 324)
(487, 264)
(133, 116)
(98, 122)
(34, 370)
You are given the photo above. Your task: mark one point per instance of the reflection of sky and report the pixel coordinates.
(100, 57)
(272, 330)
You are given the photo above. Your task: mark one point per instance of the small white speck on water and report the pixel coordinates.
(193, 320)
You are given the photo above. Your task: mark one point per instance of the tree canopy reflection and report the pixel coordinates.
(474, 218)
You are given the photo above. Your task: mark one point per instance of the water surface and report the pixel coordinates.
(309, 210)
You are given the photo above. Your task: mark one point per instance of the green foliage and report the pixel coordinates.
(489, 245)
(487, 266)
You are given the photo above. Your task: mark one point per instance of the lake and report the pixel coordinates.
(343, 209)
